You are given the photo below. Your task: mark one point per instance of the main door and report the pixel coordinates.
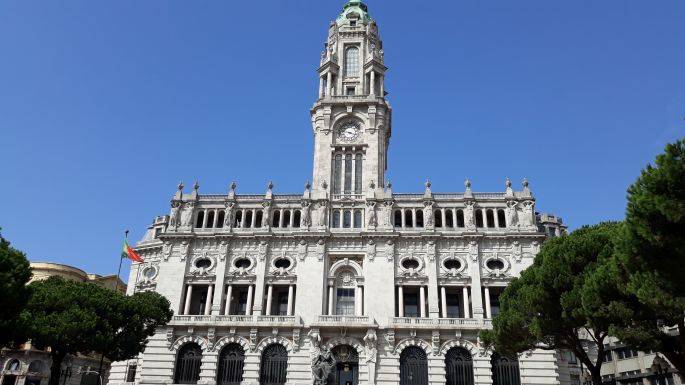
(346, 371)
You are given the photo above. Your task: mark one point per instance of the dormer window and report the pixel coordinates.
(352, 62)
(353, 23)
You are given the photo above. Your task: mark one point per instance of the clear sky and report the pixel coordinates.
(106, 105)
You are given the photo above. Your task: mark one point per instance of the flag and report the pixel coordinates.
(129, 253)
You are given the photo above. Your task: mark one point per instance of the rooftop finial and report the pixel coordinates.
(232, 186)
(196, 186)
(428, 183)
(508, 183)
(307, 186)
(526, 190)
(180, 186)
(467, 183)
(270, 186)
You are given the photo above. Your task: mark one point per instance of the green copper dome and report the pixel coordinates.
(357, 7)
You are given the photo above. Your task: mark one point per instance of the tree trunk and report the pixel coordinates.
(677, 360)
(56, 367)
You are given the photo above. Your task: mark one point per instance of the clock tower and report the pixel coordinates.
(351, 118)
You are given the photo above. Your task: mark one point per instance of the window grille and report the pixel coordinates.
(459, 367)
(352, 62)
(274, 365)
(505, 371)
(413, 367)
(188, 364)
(231, 362)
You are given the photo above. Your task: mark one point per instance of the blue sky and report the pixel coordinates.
(106, 105)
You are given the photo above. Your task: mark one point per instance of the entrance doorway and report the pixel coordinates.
(346, 371)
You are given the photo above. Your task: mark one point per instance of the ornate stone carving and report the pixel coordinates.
(512, 215)
(390, 250)
(528, 216)
(435, 341)
(430, 250)
(302, 250)
(314, 344)
(166, 250)
(263, 249)
(296, 340)
(223, 250)
(473, 250)
(266, 216)
(211, 336)
(322, 366)
(320, 249)
(516, 251)
(371, 249)
(387, 214)
(390, 339)
(370, 345)
(253, 338)
(321, 214)
(228, 221)
(429, 220)
(184, 250)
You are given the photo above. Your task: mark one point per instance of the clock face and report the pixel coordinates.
(349, 132)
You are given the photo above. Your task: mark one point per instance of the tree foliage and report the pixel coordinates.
(567, 297)
(653, 257)
(15, 273)
(76, 317)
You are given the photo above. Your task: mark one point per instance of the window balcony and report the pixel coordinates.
(236, 320)
(439, 323)
(345, 321)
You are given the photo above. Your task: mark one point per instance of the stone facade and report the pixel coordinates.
(347, 266)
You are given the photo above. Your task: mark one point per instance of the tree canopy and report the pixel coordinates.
(560, 302)
(75, 317)
(653, 257)
(15, 273)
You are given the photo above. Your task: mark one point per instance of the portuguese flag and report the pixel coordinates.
(129, 253)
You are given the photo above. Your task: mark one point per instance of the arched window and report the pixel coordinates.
(348, 174)
(248, 219)
(459, 367)
(277, 218)
(274, 365)
(449, 219)
(346, 369)
(398, 218)
(460, 218)
(200, 219)
(352, 62)
(490, 216)
(13, 365)
(419, 218)
(258, 219)
(438, 218)
(220, 220)
(479, 218)
(210, 219)
(336, 219)
(505, 371)
(357, 219)
(188, 364)
(413, 366)
(408, 218)
(347, 219)
(238, 219)
(501, 219)
(231, 362)
(358, 174)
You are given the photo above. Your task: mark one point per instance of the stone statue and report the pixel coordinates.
(371, 214)
(174, 218)
(468, 214)
(306, 220)
(266, 217)
(512, 214)
(428, 214)
(228, 221)
(322, 214)
(387, 213)
(187, 215)
(322, 366)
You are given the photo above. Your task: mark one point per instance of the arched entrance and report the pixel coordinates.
(231, 362)
(459, 367)
(505, 371)
(413, 366)
(346, 371)
(274, 365)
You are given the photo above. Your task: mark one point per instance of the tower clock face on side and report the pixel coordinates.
(349, 132)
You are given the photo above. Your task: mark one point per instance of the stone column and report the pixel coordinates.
(330, 299)
(250, 293)
(208, 301)
(465, 293)
(373, 82)
(204, 219)
(422, 301)
(269, 296)
(229, 294)
(189, 296)
(329, 86)
(320, 87)
(242, 219)
(280, 218)
(496, 217)
(290, 299)
(443, 299)
(400, 300)
(354, 180)
(254, 219)
(488, 312)
(382, 86)
(359, 297)
(475, 273)
(433, 297)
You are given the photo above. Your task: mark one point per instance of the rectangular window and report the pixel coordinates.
(282, 303)
(358, 174)
(571, 357)
(337, 171)
(608, 356)
(452, 306)
(242, 302)
(350, 91)
(348, 174)
(131, 372)
(411, 305)
(344, 304)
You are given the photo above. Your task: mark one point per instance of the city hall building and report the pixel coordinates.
(347, 282)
